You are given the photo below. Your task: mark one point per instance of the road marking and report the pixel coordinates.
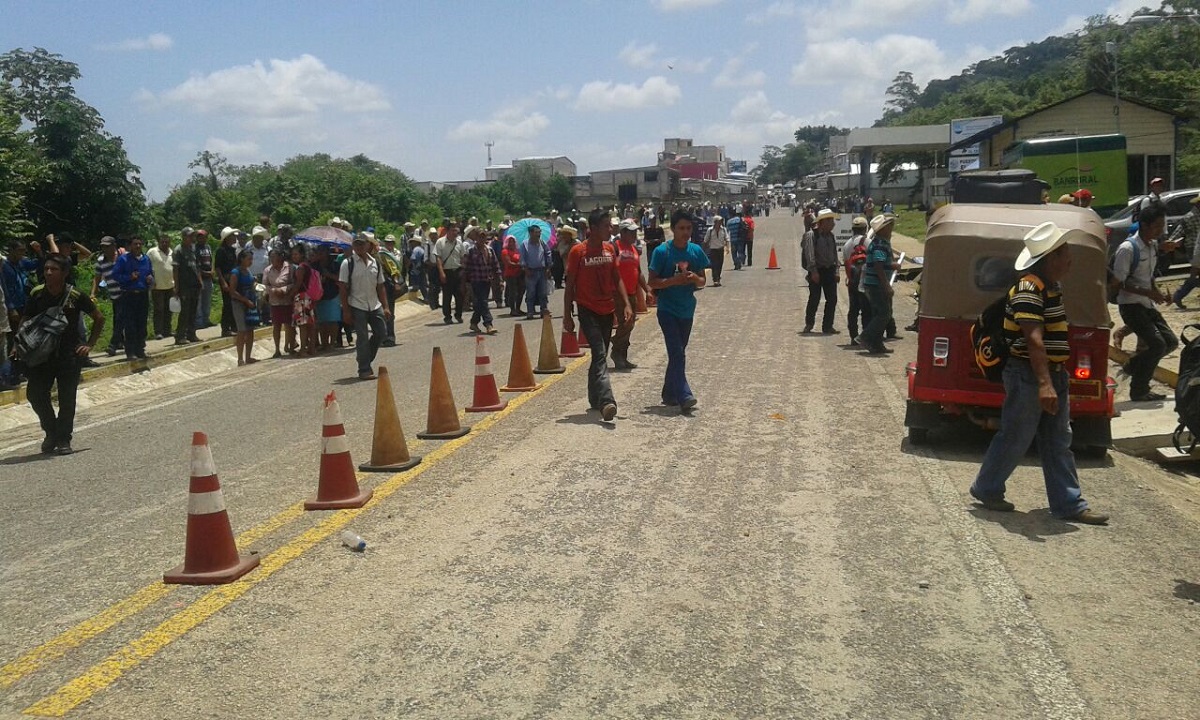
(133, 654)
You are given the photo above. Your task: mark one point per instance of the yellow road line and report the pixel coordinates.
(107, 671)
(126, 608)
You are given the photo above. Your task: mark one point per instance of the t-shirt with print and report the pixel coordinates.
(594, 270)
(667, 260)
(629, 264)
(879, 252)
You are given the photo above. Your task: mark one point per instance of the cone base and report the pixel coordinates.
(462, 430)
(520, 388)
(356, 501)
(488, 408)
(774, 268)
(246, 563)
(551, 371)
(571, 355)
(398, 467)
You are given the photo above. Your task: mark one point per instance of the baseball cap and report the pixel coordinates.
(108, 240)
(628, 224)
(1083, 194)
(186, 231)
(859, 222)
(1156, 181)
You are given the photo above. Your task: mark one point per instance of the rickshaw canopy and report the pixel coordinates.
(970, 250)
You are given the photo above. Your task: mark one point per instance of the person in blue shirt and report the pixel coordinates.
(536, 259)
(877, 284)
(135, 276)
(676, 271)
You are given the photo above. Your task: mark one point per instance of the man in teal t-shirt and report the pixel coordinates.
(676, 271)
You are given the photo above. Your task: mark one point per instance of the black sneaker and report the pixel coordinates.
(48, 445)
(63, 448)
(1147, 397)
(995, 504)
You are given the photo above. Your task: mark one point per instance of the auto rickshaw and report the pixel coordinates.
(969, 254)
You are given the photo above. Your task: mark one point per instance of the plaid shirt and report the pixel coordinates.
(480, 264)
(1188, 230)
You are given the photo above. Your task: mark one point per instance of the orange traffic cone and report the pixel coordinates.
(548, 363)
(569, 347)
(210, 554)
(520, 373)
(641, 302)
(487, 397)
(337, 487)
(772, 263)
(582, 341)
(389, 451)
(442, 421)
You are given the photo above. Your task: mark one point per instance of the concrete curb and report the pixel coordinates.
(176, 354)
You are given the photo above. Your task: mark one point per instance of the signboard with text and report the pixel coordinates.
(964, 128)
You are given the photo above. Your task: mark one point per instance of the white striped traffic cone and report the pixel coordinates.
(210, 554)
(487, 396)
(337, 487)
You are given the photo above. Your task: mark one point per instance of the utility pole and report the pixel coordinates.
(490, 145)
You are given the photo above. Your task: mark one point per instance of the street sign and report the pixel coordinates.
(964, 128)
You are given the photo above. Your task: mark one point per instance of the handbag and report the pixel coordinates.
(37, 339)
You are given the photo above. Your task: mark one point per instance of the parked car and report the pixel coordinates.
(1178, 203)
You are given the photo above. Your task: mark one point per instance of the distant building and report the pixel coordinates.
(695, 162)
(547, 165)
(627, 185)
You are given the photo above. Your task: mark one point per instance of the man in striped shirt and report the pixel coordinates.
(1036, 400)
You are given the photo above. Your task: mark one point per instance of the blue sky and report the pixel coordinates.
(422, 85)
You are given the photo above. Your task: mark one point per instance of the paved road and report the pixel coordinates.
(782, 553)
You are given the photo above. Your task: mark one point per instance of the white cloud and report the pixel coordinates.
(976, 10)
(236, 152)
(689, 66)
(673, 5)
(639, 56)
(753, 122)
(514, 123)
(280, 94)
(155, 41)
(774, 11)
(851, 61)
(605, 96)
(734, 75)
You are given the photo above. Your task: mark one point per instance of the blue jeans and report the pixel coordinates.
(1022, 419)
(537, 291)
(479, 292)
(1191, 283)
(598, 331)
(204, 307)
(881, 315)
(739, 254)
(366, 349)
(676, 331)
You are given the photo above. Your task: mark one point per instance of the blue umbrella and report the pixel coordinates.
(520, 229)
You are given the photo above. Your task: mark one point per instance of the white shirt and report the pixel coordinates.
(449, 252)
(261, 257)
(1141, 277)
(160, 263)
(362, 290)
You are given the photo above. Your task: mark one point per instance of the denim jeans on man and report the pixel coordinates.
(1152, 331)
(537, 291)
(598, 331)
(204, 306)
(738, 248)
(881, 313)
(480, 312)
(366, 350)
(676, 332)
(1021, 420)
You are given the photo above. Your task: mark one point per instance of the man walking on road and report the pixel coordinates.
(364, 303)
(1036, 399)
(594, 285)
(536, 259)
(819, 257)
(479, 269)
(854, 258)
(1188, 233)
(716, 242)
(676, 272)
(448, 254)
(877, 284)
(62, 369)
(629, 265)
(1133, 268)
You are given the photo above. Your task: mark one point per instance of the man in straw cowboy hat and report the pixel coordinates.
(820, 258)
(1036, 400)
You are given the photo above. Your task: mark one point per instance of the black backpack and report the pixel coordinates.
(1187, 390)
(988, 342)
(1112, 289)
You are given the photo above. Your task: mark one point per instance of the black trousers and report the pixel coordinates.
(749, 253)
(137, 309)
(827, 285)
(161, 303)
(452, 290)
(185, 327)
(1158, 337)
(716, 259)
(63, 371)
(227, 324)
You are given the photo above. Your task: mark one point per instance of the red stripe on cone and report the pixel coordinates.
(487, 395)
(210, 553)
(568, 347)
(337, 486)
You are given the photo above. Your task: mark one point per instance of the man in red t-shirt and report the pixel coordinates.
(748, 219)
(594, 284)
(629, 265)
